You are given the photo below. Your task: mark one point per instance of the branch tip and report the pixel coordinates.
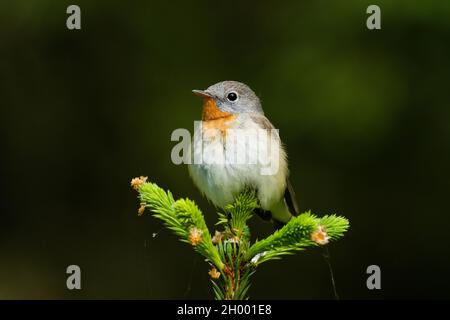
(213, 273)
(320, 236)
(141, 209)
(195, 236)
(218, 237)
(137, 182)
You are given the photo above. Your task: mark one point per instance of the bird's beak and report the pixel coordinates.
(202, 94)
(210, 109)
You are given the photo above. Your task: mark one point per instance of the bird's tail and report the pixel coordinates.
(286, 208)
(281, 213)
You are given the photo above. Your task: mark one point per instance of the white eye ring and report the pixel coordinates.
(232, 96)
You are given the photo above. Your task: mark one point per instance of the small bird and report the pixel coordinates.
(230, 107)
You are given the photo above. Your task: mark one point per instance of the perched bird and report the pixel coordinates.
(232, 107)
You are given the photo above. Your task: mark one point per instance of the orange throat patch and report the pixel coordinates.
(211, 111)
(213, 117)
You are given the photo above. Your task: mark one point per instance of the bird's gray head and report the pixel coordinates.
(229, 97)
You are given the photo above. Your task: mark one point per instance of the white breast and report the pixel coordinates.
(228, 162)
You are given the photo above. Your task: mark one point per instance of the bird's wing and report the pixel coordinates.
(290, 199)
(289, 194)
(262, 121)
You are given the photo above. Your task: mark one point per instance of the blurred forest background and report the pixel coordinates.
(364, 114)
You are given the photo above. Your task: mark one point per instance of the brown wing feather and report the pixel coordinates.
(262, 121)
(289, 193)
(290, 199)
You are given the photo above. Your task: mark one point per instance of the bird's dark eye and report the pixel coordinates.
(232, 96)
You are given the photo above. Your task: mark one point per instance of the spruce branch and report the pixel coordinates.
(300, 232)
(232, 257)
(182, 217)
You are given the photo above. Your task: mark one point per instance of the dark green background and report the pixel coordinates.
(364, 114)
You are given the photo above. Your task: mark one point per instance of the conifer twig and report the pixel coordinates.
(232, 257)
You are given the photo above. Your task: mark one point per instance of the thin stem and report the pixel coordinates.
(326, 255)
